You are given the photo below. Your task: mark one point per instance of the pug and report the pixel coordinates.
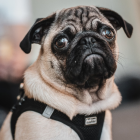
(74, 72)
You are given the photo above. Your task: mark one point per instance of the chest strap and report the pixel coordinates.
(81, 124)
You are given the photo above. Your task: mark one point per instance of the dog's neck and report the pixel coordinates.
(35, 87)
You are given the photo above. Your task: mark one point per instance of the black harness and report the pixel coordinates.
(87, 127)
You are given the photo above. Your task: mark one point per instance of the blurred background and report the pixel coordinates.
(16, 18)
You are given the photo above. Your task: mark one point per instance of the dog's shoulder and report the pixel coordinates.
(34, 126)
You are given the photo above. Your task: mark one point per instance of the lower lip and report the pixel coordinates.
(90, 57)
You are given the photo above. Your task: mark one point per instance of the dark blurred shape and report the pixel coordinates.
(3, 114)
(129, 87)
(126, 118)
(8, 93)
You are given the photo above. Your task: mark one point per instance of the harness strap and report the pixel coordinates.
(77, 124)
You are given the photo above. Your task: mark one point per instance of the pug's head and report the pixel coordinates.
(78, 46)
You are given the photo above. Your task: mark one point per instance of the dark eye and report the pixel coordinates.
(108, 34)
(61, 43)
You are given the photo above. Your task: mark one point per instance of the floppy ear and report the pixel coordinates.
(37, 31)
(117, 21)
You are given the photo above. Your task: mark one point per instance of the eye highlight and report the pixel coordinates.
(107, 33)
(62, 42)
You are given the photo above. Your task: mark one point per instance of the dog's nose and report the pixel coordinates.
(87, 41)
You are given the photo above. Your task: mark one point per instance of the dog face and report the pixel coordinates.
(78, 46)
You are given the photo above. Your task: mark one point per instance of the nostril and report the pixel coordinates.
(93, 40)
(82, 41)
(87, 40)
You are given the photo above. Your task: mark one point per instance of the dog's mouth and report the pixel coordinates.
(92, 70)
(90, 62)
(90, 65)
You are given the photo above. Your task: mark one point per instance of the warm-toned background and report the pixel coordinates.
(126, 118)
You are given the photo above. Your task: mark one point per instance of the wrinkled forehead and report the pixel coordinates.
(80, 18)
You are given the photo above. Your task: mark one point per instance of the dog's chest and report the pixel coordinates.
(38, 127)
(86, 127)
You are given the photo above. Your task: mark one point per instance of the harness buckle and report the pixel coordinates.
(48, 112)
